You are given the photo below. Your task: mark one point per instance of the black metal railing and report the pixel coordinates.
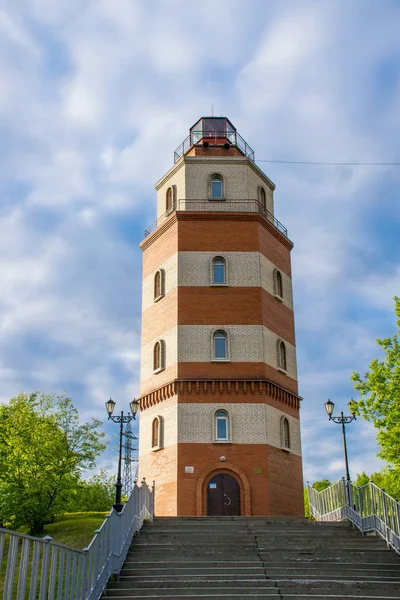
(250, 206)
(214, 138)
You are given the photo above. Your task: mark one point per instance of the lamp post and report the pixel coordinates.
(329, 406)
(121, 419)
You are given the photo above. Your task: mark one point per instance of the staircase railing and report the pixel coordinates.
(37, 568)
(368, 507)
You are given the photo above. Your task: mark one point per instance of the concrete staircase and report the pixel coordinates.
(254, 557)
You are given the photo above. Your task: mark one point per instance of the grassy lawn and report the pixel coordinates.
(73, 529)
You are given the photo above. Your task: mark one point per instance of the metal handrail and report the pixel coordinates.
(214, 138)
(368, 507)
(43, 569)
(213, 205)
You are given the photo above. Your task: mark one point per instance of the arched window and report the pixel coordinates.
(278, 284)
(159, 284)
(263, 198)
(221, 426)
(157, 433)
(282, 364)
(216, 187)
(218, 270)
(169, 199)
(158, 356)
(285, 433)
(220, 345)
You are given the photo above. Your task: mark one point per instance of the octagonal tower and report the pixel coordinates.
(219, 405)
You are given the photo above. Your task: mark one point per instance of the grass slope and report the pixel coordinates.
(74, 529)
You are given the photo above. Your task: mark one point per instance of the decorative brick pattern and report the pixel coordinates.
(273, 420)
(160, 465)
(244, 269)
(270, 342)
(267, 281)
(168, 410)
(175, 177)
(256, 423)
(171, 358)
(170, 268)
(253, 182)
(241, 180)
(247, 423)
(195, 342)
(187, 392)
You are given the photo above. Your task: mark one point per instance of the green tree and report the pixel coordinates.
(43, 449)
(96, 494)
(362, 479)
(388, 479)
(320, 485)
(380, 395)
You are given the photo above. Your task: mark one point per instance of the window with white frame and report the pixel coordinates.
(282, 361)
(221, 426)
(157, 433)
(285, 433)
(278, 284)
(159, 285)
(216, 187)
(218, 271)
(220, 345)
(159, 356)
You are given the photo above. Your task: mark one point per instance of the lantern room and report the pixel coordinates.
(213, 132)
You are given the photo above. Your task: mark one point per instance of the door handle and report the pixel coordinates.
(227, 503)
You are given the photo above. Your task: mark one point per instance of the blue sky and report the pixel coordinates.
(95, 95)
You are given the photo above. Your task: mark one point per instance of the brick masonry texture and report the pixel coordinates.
(244, 269)
(175, 177)
(170, 268)
(161, 249)
(161, 465)
(247, 343)
(252, 423)
(232, 235)
(275, 476)
(237, 370)
(183, 245)
(220, 397)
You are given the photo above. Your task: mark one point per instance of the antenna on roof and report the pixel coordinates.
(212, 110)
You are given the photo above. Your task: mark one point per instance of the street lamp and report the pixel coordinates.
(121, 419)
(329, 406)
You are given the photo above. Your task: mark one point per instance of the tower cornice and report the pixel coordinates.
(255, 387)
(215, 216)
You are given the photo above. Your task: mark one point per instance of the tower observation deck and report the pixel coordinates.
(212, 132)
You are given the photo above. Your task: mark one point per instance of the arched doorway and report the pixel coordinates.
(223, 496)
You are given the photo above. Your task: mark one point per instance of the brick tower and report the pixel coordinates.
(219, 405)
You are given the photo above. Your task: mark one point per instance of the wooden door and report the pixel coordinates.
(223, 496)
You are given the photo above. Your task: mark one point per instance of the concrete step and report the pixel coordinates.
(386, 557)
(233, 558)
(176, 592)
(267, 569)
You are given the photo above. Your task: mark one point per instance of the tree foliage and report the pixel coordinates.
(96, 494)
(320, 485)
(380, 395)
(387, 479)
(43, 449)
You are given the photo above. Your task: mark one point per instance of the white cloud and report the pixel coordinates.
(95, 106)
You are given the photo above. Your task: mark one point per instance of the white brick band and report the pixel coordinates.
(244, 269)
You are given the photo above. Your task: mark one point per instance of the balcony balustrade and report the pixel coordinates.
(240, 206)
